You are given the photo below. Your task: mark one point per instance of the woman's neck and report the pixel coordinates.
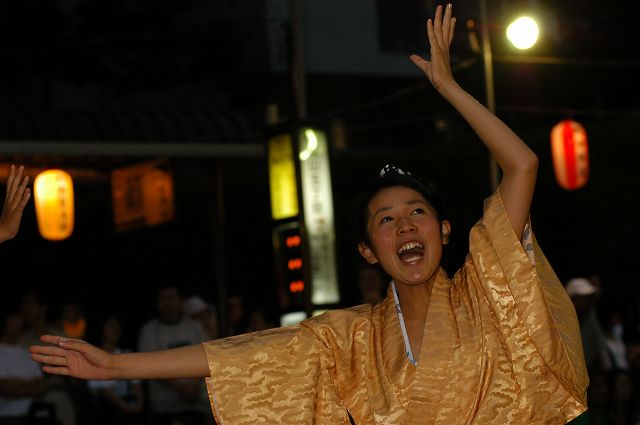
(414, 303)
(414, 299)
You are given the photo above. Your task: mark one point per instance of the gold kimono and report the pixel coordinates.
(501, 346)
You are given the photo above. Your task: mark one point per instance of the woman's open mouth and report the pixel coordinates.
(411, 252)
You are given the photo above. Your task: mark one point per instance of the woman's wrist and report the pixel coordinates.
(114, 366)
(449, 88)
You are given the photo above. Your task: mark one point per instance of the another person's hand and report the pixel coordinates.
(440, 32)
(72, 357)
(16, 199)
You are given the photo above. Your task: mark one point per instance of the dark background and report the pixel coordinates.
(198, 72)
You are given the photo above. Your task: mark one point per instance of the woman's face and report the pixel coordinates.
(405, 235)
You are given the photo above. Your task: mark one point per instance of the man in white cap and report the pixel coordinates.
(583, 294)
(204, 313)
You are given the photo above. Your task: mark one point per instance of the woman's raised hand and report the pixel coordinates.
(72, 357)
(440, 32)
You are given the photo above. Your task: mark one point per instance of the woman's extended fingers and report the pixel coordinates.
(57, 339)
(65, 343)
(452, 30)
(52, 339)
(440, 29)
(446, 25)
(49, 360)
(431, 35)
(57, 370)
(48, 350)
(54, 358)
(437, 27)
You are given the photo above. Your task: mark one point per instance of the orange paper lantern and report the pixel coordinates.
(570, 153)
(53, 192)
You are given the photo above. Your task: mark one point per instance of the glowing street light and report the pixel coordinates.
(487, 59)
(523, 32)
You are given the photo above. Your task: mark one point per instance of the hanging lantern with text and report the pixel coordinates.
(570, 153)
(53, 192)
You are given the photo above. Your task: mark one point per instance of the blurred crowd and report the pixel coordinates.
(610, 339)
(29, 397)
(611, 343)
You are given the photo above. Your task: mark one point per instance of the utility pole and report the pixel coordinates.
(487, 58)
(298, 80)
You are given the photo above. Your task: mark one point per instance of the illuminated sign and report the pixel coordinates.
(296, 286)
(292, 318)
(290, 264)
(142, 195)
(318, 213)
(282, 178)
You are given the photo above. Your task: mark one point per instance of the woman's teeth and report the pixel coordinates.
(410, 252)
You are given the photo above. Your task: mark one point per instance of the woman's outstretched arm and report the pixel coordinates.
(519, 164)
(80, 359)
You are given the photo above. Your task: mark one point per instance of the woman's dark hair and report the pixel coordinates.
(392, 176)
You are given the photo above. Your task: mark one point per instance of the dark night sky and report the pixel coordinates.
(152, 70)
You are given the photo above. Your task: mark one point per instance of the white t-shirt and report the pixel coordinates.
(16, 363)
(156, 335)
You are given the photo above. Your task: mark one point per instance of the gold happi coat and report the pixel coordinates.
(501, 346)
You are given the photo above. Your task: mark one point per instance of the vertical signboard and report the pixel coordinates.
(287, 237)
(303, 222)
(318, 215)
(282, 177)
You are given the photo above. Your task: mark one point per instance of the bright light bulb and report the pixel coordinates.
(312, 140)
(523, 32)
(312, 144)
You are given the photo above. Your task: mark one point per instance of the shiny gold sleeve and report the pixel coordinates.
(277, 376)
(535, 317)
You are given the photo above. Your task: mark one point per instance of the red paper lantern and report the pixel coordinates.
(570, 153)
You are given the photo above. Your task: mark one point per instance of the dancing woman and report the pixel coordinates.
(498, 343)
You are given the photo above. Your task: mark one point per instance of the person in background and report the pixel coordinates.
(74, 321)
(20, 377)
(35, 311)
(74, 325)
(204, 313)
(237, 322)
(258, 320)
(583, 295)
(119, 402)
(622, 409)
(174, 401)
(614, 339)
(633, 355)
